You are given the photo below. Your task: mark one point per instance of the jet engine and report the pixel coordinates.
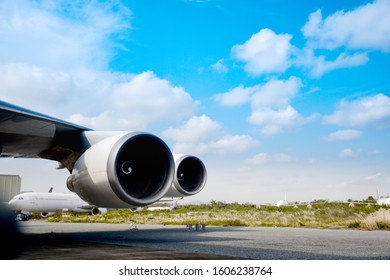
(98, 211)
(47, 214)
(190, 176)
(125, 170)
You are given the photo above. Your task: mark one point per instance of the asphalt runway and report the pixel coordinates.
(58, 241)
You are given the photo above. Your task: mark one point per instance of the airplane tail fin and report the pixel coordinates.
(51, 189)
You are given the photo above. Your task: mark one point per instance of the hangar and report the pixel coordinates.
(9, 187)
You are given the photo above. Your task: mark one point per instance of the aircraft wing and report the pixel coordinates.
(109, 169)
(27, 134)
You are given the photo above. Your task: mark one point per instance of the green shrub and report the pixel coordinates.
(328, 215)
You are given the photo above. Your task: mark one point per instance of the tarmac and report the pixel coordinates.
(53, 247)
(41, 240)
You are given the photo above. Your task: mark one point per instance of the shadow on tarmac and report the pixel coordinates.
(10, 236)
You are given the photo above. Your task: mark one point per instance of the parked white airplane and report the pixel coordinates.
(107, 169)
(284, 202)
(49, 203)
(382, 201)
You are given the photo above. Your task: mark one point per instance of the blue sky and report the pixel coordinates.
(277, 97)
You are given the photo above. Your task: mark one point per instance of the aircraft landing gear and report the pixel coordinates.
(22, 217)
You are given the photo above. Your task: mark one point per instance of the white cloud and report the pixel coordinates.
(101, 122)
(344, 135)
(370, 110)
(236, 97)
(203, 135)
(373, 177)
(362, 29)
(265, 52)
(39, 33)
(258, 159)
(271, 107)
(276, 93)
(56, 62)
(270, 104)
(275, 120)
(235, 144)
(152, 98)
(265, 158)
(320, 65)
(348, 153)
(55, 92)
(366, 27)
(26, 84)
(375, 152)
(220, 66)
(115, 101)
(195, 130)
(139, 101)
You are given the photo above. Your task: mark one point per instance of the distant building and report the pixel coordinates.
(9, 187)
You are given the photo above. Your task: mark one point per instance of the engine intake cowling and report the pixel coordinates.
(190, 176)
(47, 214)
(98, 211)
(123, 171)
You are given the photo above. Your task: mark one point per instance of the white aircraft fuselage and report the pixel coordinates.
(35, 202)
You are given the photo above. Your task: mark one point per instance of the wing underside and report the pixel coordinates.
(26, 134)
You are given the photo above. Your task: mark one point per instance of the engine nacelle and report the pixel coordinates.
(98, 211)
(190, 176)
(47, 214)
(126, 170)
